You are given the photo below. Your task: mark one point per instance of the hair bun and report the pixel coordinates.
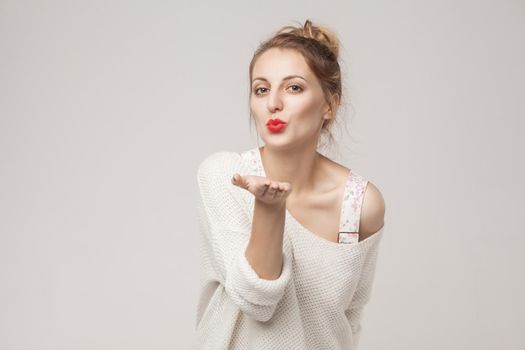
(321, 34)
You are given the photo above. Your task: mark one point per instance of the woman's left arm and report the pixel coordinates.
(371, 224)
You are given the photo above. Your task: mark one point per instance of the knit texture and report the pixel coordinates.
(318, 300)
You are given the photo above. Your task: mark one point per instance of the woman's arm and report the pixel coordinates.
(228, 242)
(265, 248)
(371, 223)
(363, 292)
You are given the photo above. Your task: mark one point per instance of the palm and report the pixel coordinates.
(264, 189)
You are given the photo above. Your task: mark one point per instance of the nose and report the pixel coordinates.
(274, 102)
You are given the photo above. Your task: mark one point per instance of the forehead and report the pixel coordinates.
(277, 63)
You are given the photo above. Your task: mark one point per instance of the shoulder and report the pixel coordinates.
(218, 164)
(372, 211)
(220, 201)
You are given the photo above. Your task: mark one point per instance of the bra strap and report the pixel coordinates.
(351, 208)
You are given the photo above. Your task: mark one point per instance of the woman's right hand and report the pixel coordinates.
(264, 189)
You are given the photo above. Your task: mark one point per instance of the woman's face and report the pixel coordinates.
(297, 100)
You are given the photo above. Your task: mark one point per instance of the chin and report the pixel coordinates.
(280, 142)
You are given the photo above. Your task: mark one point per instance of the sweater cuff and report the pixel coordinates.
(256, 290)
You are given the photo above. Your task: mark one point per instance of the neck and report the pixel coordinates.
(298, 166)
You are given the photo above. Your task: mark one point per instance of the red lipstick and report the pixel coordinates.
(275, 125)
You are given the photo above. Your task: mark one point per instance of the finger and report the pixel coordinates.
(286, 188)
(269, 190)
(277, 191)
(273, 189)
(282, 192)
(235, 178)
(265, 188)
(279, 194)
(270, 193)
(238, 180)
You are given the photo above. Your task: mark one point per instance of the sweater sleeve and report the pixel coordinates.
(364, 287)
(225, 224)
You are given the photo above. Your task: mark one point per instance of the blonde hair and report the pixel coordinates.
(320, 48)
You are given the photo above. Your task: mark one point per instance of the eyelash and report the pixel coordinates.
(255, 90)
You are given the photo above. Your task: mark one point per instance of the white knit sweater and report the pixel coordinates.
(316, 303)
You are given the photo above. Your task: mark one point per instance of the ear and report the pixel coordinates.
(327, 113)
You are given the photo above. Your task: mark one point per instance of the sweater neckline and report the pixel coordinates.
(305, 231)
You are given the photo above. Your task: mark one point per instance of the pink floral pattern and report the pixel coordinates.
(351, 208)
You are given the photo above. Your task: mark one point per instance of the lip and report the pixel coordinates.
(275, 121)
(275, 125)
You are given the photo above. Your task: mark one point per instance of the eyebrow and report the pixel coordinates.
(288, 77)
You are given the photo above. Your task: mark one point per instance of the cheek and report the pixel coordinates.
(257, 107)
(304, 109)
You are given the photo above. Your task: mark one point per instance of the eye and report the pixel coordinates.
(297, 89)
(256, 90)
(300, 88)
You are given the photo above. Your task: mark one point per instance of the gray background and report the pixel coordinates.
(108, 107)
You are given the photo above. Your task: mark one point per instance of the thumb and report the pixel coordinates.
(237, 180)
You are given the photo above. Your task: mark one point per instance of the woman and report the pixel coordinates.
(290, 237)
